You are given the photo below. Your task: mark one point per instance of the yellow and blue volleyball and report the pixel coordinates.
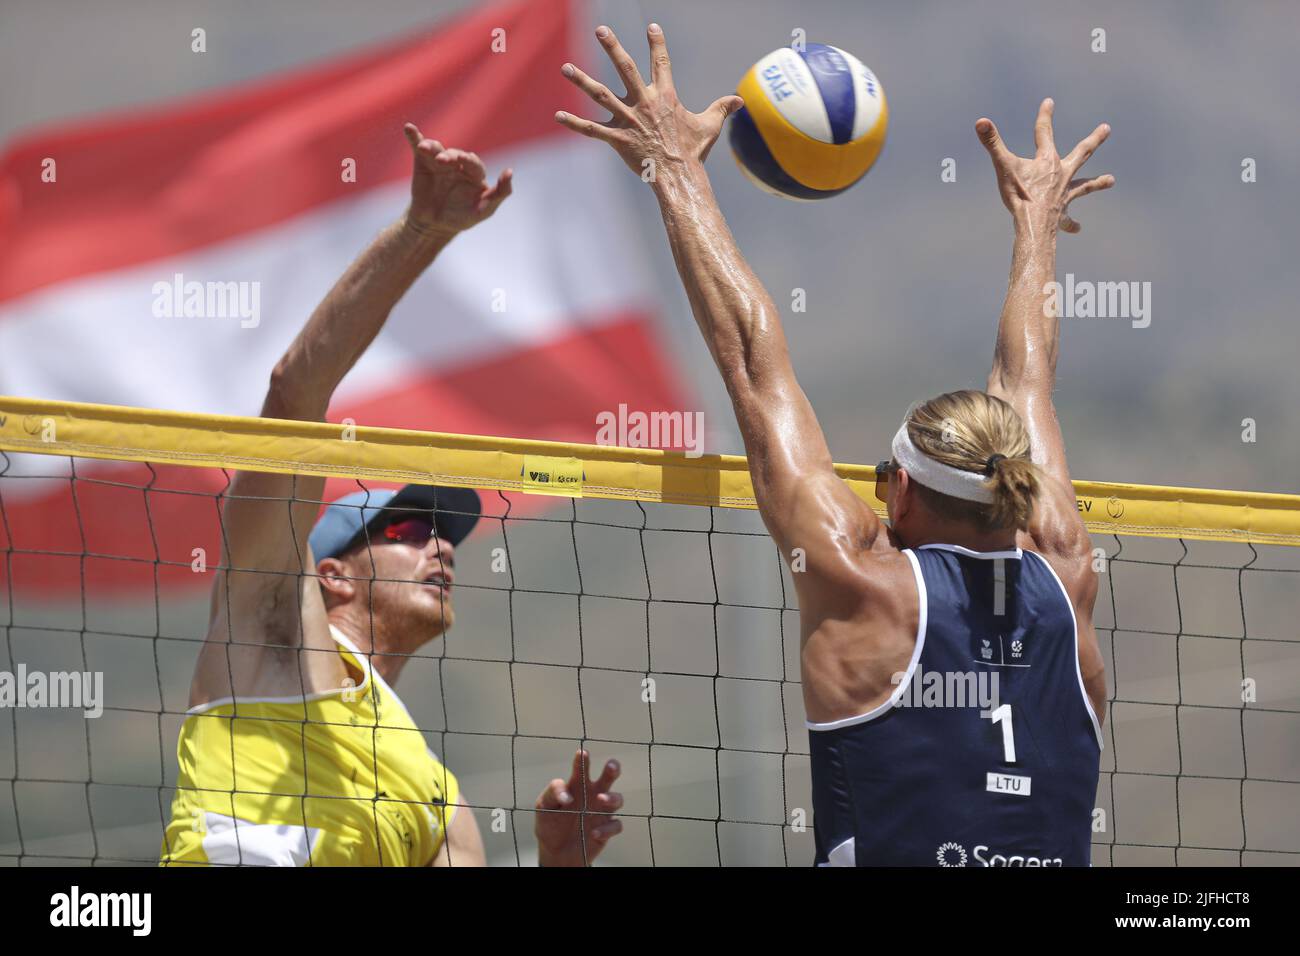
(813, 123)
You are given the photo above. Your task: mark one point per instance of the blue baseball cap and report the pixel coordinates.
(454, 512)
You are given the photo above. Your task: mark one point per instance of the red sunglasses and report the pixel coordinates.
(416, 531)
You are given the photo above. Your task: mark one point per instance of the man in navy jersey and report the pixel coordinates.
(952, 680)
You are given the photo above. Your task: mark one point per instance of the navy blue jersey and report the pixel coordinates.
(987, 753)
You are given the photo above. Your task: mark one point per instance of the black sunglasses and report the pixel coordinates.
(883, 470)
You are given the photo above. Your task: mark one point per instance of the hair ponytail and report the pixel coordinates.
(1015, 489)
(976, 432)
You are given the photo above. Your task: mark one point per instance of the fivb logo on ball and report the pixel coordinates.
(813, 123)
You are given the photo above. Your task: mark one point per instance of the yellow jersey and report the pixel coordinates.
(342, 777)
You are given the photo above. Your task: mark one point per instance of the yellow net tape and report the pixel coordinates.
(572, 470)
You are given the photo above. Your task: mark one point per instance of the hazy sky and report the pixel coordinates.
(904, 274)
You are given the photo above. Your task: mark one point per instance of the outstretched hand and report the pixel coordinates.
(449, 187)
(1043, 185)
(574, 820)
(649, 125)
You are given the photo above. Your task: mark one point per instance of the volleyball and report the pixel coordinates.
(813, 123)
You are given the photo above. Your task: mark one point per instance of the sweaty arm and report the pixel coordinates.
(1037, 192)
(263, 604)
(803, 502)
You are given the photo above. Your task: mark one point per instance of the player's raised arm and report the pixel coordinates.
(1038, 191)
(264, 534)
(449, 193)
(803, 503)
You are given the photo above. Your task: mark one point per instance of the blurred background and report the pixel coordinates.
(903, 277)
(908, 269)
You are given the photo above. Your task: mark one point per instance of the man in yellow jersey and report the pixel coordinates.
(295, 750)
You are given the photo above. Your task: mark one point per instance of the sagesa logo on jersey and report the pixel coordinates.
(954, 854)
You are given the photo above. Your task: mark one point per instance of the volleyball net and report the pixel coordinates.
(625, 600)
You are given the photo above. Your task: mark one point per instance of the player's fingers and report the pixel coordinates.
(1084, 187)
(607, 831)
(464, 162)
(624, 63)
(425, 149)
(1043, 128)
(661, 68)
(586, 127)
(725, 106)
(717, 114)
(992, 140)
(427, 152)
(473, 168)
(449, 158)
(599, 92)
(1084, 150)
(610, 802)
(578, 773)
(556, 796)
(505, 184)
(504, 187)
(609, 773)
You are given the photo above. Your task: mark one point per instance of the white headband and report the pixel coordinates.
(935, 475)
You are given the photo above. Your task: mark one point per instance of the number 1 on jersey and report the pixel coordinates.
(1003, 715)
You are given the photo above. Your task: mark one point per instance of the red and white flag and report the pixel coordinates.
(529, 325)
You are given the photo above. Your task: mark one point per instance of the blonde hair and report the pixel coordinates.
(965, 430)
